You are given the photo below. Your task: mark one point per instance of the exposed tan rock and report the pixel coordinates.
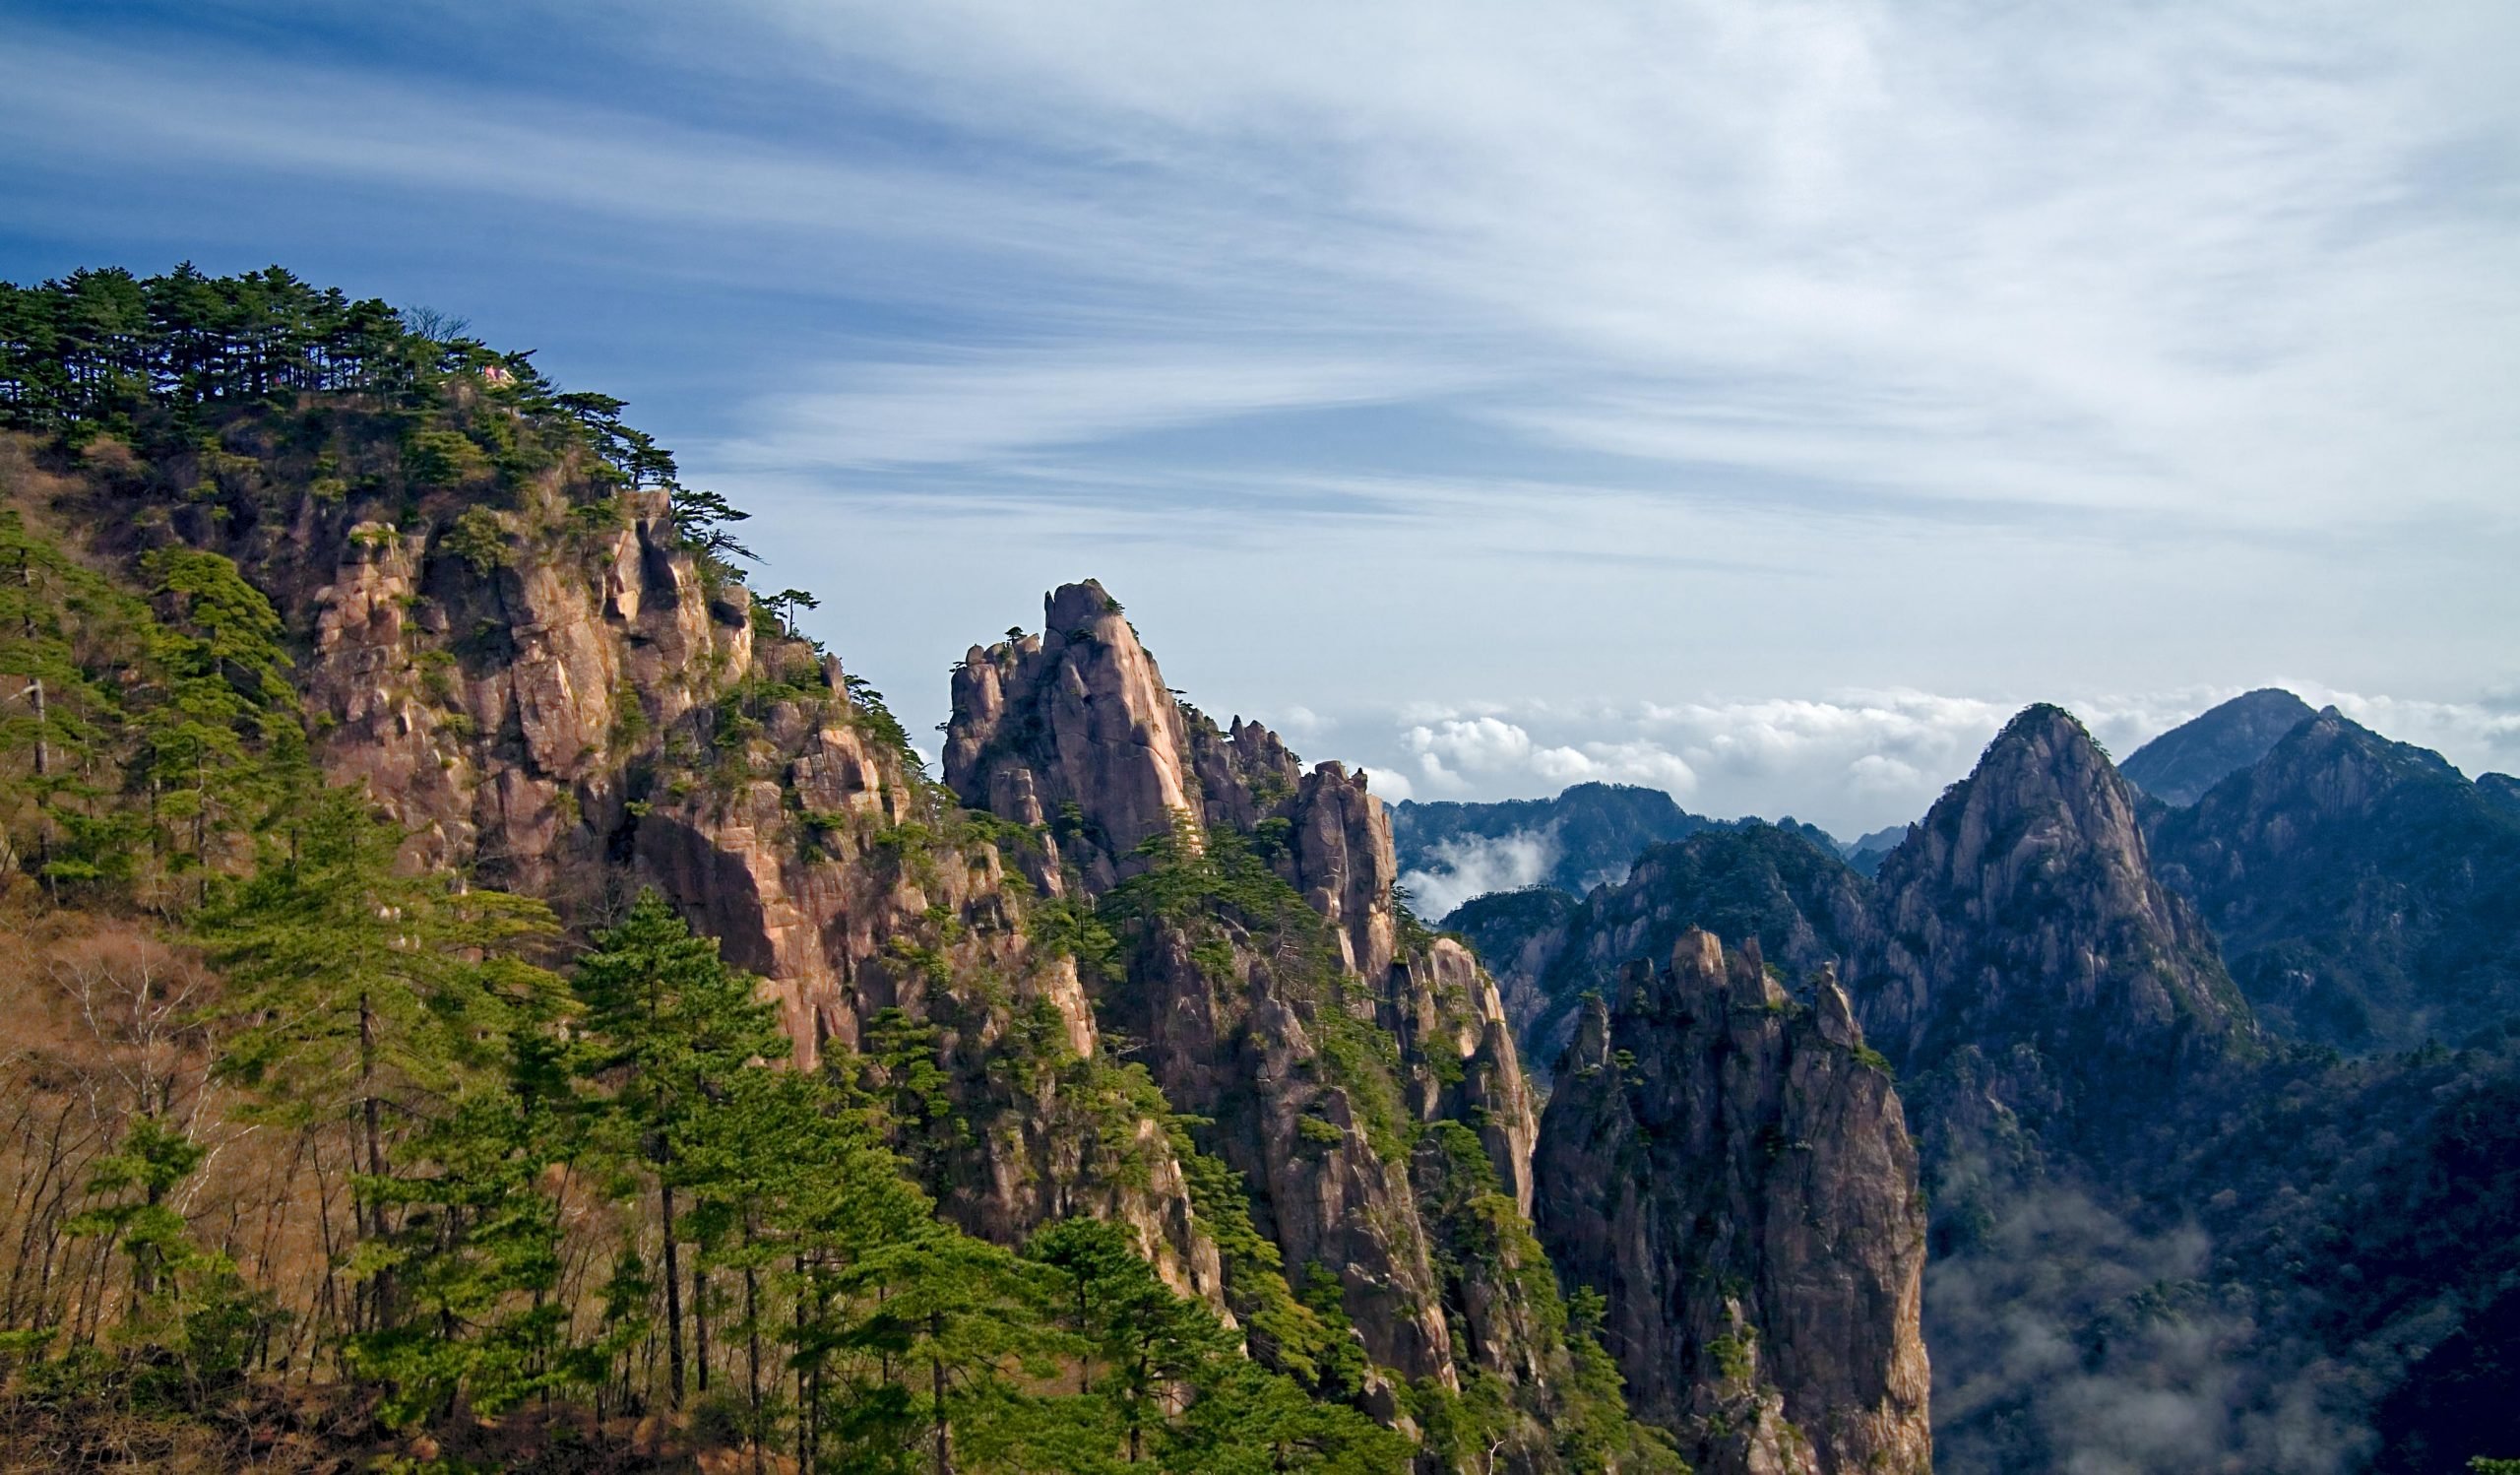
(1075, 729)
(546, 720)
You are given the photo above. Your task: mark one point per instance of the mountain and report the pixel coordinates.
(1865, 854)
(2118, 1158)
(2501, 788)
(2027, 970)
(1356, 1070)
(1728, 1168)
(1450, 851)
(1144, 1013)
(2365, 891)
(2160, 1239)
(2179, 765)
(1585, 835)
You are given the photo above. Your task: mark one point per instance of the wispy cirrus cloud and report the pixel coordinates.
(1839, 345)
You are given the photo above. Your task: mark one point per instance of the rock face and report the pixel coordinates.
(2179, 765)
(1270, 984)
(494, 710)
(1073, 725)
(1732, 1170)
(2029, 977)
(2364, 890)
(587, 707)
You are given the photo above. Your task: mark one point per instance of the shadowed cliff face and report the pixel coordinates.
(1804, 906)
(1732, 1170)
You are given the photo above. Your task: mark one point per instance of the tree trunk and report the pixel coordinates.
(700, 1323)
(936, 1407)
(372, 1115)
(752, 1361)
(673, 1294)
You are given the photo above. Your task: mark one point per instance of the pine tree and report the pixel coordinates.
(667, 1019)
(363, 998)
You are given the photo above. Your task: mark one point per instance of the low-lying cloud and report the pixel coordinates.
(2067, 1340)
(1469, 866)
(1851, 762)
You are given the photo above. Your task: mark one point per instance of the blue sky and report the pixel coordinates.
(1760, 401)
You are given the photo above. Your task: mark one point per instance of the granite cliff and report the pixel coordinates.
(1730, 1167)
(538, 672)
(1359, 1073)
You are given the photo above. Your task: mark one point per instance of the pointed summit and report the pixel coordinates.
(1075, 729)
(2023, 925)
(2179, 765)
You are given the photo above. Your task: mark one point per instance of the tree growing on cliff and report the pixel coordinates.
(673, 1026)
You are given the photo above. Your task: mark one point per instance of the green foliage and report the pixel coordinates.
(436, 457)
(480, 539)
(103, 347)
(192, 1323)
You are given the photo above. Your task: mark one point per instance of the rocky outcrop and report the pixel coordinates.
(565, 700)
(495, 709)
(1074, 729)
(1803, 905)
(1731, 1168)
(2364, 889)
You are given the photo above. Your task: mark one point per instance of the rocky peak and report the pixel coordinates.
(2329, 767)
(2024, 911)
(1074, 729)
(1729, 1166)
(2363, 888)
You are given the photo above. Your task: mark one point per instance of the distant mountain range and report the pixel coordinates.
(2121, 1033)
(1450, 851)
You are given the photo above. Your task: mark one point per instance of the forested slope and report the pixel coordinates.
(487, 986)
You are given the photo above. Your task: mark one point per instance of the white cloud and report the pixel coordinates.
(984, 406)
(1851, 762)
(1477, 744)
(2231, 261)
(1469, 866)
